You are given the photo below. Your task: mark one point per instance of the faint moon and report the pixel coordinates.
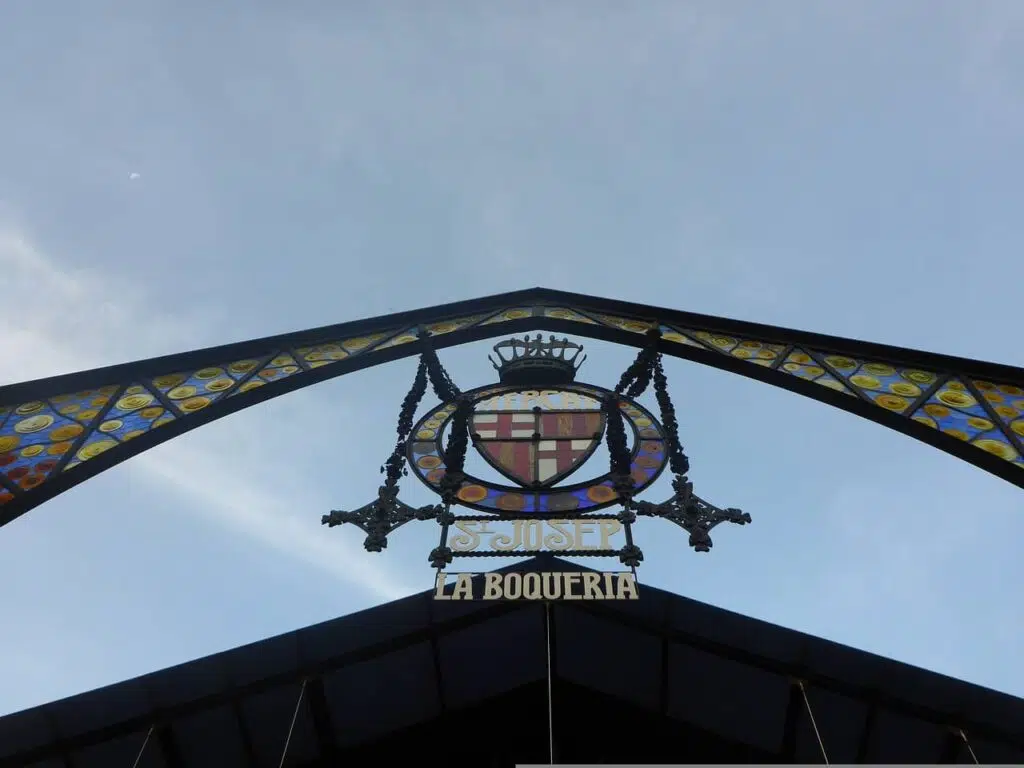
(133, 176)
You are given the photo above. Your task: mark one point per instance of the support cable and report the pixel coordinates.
(291, 728)
(970, 749)
(149, 733)
(814, 723)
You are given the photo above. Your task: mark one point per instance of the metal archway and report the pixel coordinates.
(58, 432)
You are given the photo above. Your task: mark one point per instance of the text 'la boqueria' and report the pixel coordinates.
(551, 585)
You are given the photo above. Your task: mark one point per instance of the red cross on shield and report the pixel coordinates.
(537, 448)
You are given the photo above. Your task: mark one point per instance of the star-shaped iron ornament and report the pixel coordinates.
(692, 514)
(381, 516)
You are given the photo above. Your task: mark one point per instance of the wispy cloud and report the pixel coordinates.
(87, 320)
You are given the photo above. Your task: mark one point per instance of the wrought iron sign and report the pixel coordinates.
(537, 427)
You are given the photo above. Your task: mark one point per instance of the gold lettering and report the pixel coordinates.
(583, 527)
(463, 587)
(626, 587)
(497, 403)
(468, 537)
(608, 528)
(545, 399)
(564, 535)
(532, 533)
(513, 586)
(548, 585)
(492, 586)
(504, 543)
(532, 586)
(561, 539)
(439, 587)
(571, 580)
(552, 586)
(528, 399)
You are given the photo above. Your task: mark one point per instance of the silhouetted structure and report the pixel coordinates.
(657, 679)
(660, 679)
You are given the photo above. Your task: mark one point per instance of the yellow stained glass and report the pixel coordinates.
(562, 313)
(516, 313)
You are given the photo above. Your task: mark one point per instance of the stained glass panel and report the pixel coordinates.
(892, 388)
(96, 444)
(624, 323)
(191, 392)
(33, 440)
(760, 353)
(83, 407)
(800, 364)
(322, 354)
(449, 326)
(679, 337)
(1007, 403)
(561, 313)
(136, 412)
(516, 313)
(362, 343)
(281, 366)
(953, 410)
(331, 352)
(719, 341)
(405, 337)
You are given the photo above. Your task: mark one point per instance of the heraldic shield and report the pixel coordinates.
(539, 445)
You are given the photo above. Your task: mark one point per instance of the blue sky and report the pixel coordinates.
(850, 168)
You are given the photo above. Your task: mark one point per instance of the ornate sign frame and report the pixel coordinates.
(536, 371)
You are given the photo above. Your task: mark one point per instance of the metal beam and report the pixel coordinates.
(551, 652)
(794, 708)
(864, 744)
(664, 689)
(656, 628)
(787, 669)
(145, 370)
(248, 749)
(65, 754)
(951, 747)
(169, 748)
(323, 725)
(435, 653)
(142, 721)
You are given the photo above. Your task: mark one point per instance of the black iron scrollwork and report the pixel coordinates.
(678, 460)
(387, 512)
(380, 517)
(692, 514)
(455, 450)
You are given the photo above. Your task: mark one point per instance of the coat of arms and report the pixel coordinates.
(537, 427)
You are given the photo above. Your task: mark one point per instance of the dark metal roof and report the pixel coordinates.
(662, 678)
